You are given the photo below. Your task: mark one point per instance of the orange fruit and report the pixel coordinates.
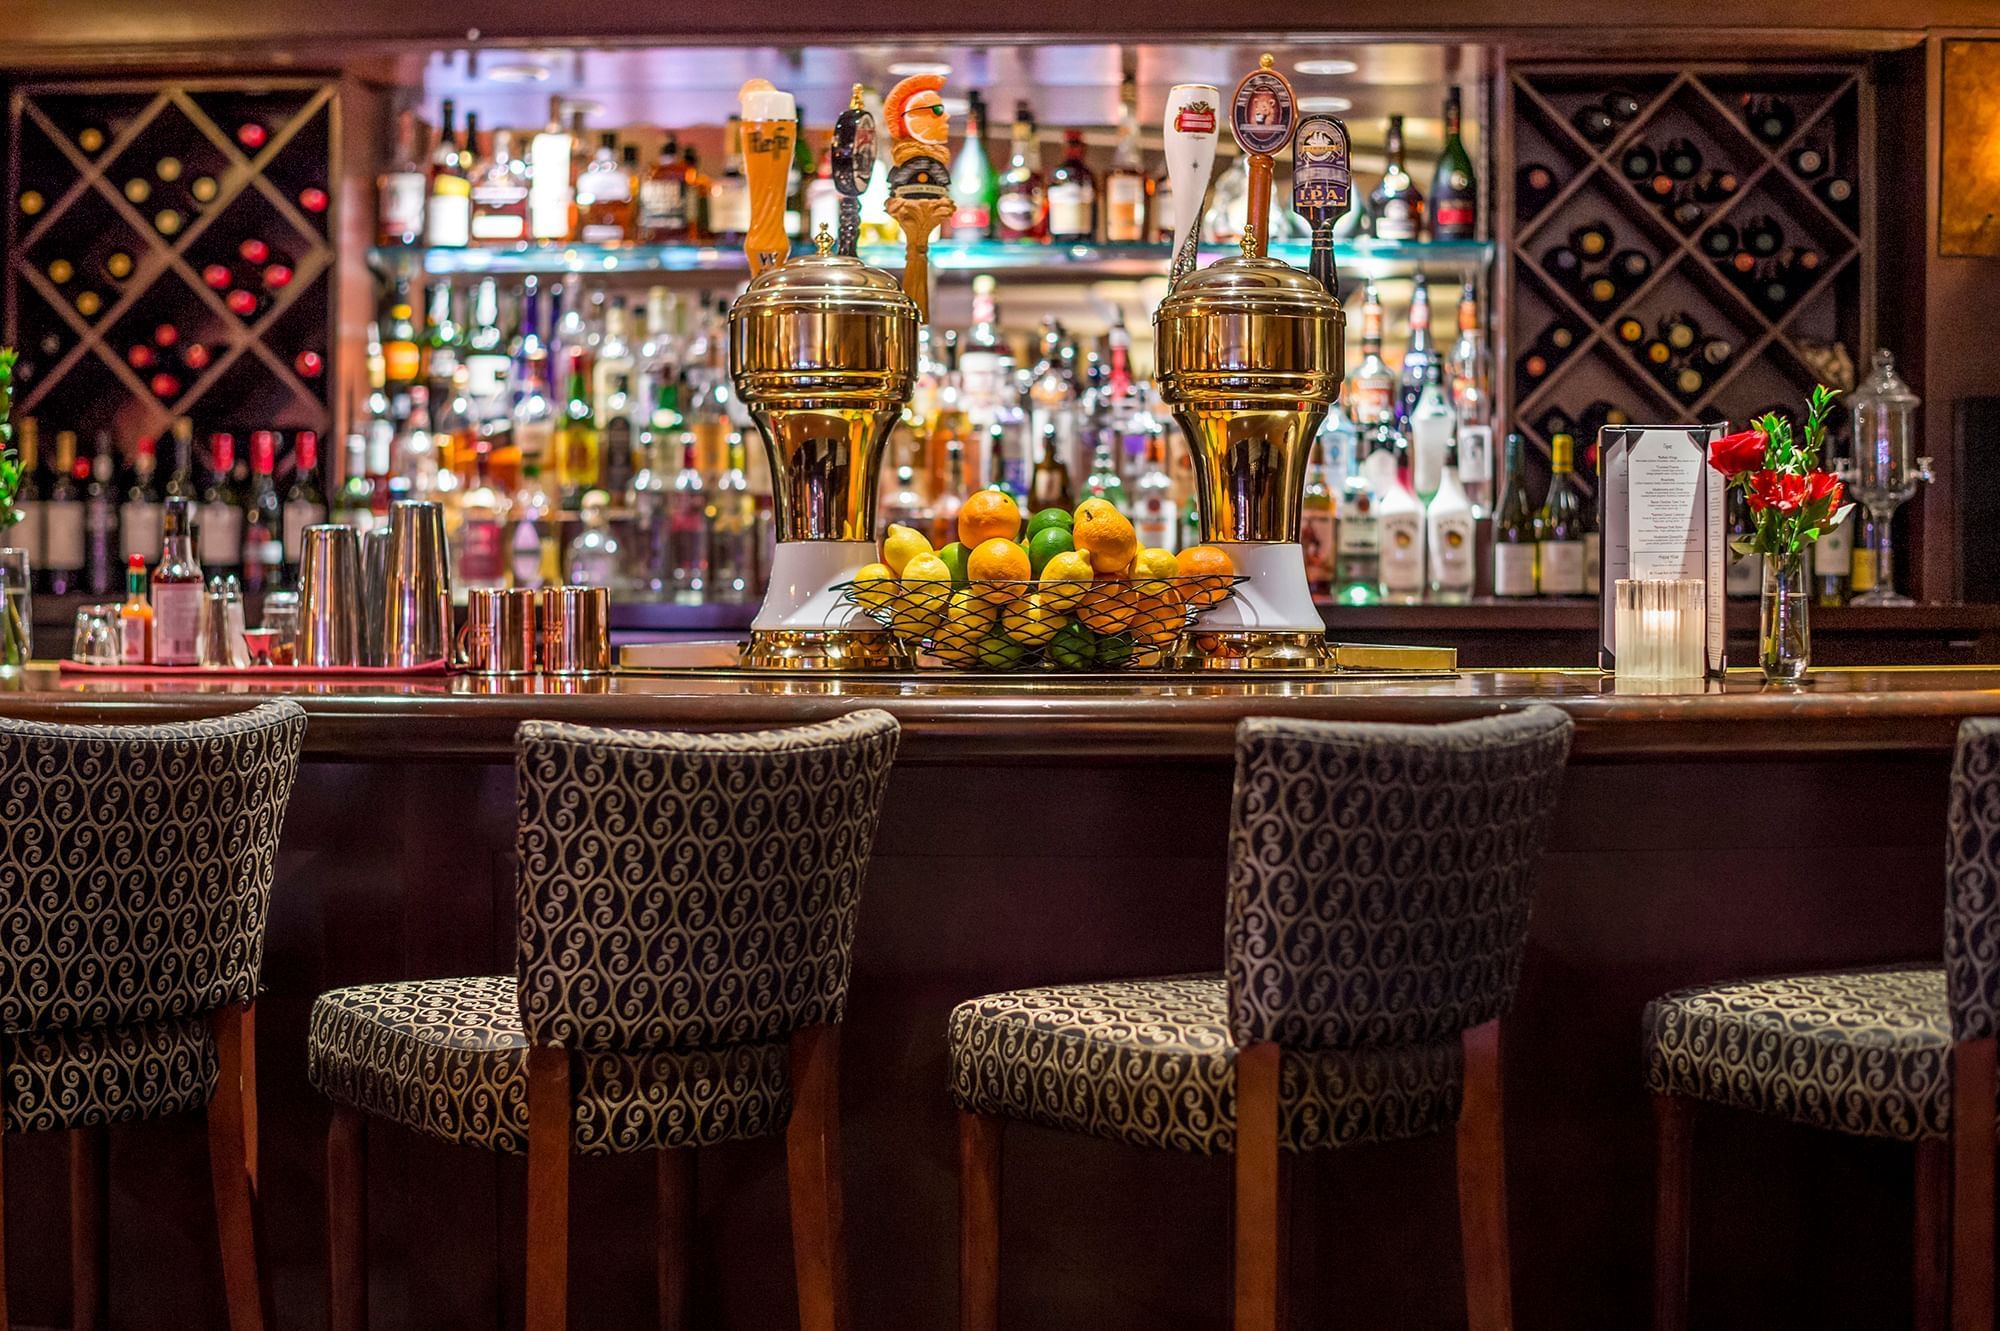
(1156, 617)
(988, 515)
(1214, 566)
(998, 560)
(1107, 608)
(1091, 508)
(1104, 534)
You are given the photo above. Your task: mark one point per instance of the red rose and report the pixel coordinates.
(1777, 489)
(1824, 485)
(1740, 452)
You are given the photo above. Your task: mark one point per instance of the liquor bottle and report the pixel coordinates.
(100, 506)
(500, 196)
(904, 505)
(1472, 401)
(1419, 356)
(1385, 454)
(1072, 194)
(448, 213)
(593, 557)
(1399, 523)
(1763, 237)
(1396, 203)
(729, 196)
(698, 185)
(263, 519)
(400, 192)
(1454, 191)
(1715, 185)
(577, 445)
(662, 214)
(1433, 429)
(1514, 529)
(1448, 533)
(480, 556)
(305, 499)
(139, 516)
(687, 529)
(135, 616)
(1559, 525)
(1317, 526)
(534, 418)
(1103, 481)
(176, 588)
(1371, 388)
(1049, 486)
(950, 495)
(1681, 160)
(1638, 164)
(443, 342)
(797, 180)
(551, 200)
(531, 546)
(732, 541)
(1597, 125)
(604, 197)
(30, 533)
(974, 187)
(1153, 499)
(1836, 192)
(1770, 119)
(402, 358)
(1125, 183)
(221, 527)
(616, 437)
(1833, 553)
(1534, 185)
(1357, 551)
(487, 364)
(63, 522)
(1023, 203)
(1719, 241)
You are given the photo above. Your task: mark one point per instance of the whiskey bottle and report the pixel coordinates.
(1072, 195)
(399, 194)
(448, 213)
(1371, 388)
(1454, 191)
(729, 196)
(1023, 203)
(662, 216)
(500, 197)
(1125, 183)
(604, 197)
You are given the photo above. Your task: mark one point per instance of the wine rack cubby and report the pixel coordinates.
(169, 253)
(1682, 242)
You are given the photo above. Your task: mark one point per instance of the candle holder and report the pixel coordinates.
(1660, 628)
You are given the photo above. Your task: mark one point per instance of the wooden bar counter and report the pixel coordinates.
(1050, 832)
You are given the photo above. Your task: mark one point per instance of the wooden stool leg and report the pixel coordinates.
(1932, 1248)
(1673, 1167)
(89, 1199)
(812, 1157)
(674, 1233)
(229, 1172)
(1482, 1185)
(4, 1323)
(979, 1137)
(1972, 1117)
(347, 1220)
(1259, 1216)
(549, 1119)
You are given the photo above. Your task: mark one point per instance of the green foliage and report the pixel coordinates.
(1787, 536)
(10, 461)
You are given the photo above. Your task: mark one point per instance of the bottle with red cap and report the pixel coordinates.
(263, 519)
(221, 518)
(305, 499)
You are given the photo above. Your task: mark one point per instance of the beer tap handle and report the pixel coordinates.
(1190, 130)
(1322, 186)
(1263, 116)
(853, 162)
(920, 179)
(769, 126)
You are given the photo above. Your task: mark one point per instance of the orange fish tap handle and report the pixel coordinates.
(1263, 115)
(770, 128)
(919, 174)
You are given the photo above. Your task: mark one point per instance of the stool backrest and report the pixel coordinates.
(1380, 876)
(1972, 883)
(136, 864)
(690, 890)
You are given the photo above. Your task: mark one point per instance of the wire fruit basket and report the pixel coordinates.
(1053, 624)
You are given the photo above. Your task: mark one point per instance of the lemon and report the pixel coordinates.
(902, 545)
(1031, 622)
(967, 622)
(1064, 580)
(1153, 563)
(874, 586)
(954, 557)
(926, 590)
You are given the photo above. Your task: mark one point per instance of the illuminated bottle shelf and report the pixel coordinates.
(1357, 258)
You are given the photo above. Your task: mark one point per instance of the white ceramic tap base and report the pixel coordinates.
(1276, 599)
(803, 577)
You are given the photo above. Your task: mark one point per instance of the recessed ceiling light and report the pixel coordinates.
(518, 72)
(905, 68)
(1325, 67)
(1326, 105)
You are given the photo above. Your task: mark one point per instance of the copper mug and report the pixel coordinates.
(499, 637)
(576, 630)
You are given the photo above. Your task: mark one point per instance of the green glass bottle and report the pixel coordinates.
(1514, 529)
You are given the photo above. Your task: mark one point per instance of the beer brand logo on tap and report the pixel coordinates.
(853, 150)
(1264, 113)
(1322, 176)
(1195, 118)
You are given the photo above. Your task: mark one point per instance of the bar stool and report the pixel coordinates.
(135, 881)
(1380, 879)
(1905, 1053)
(687, 918)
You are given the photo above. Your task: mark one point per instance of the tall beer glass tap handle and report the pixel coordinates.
(769, 126)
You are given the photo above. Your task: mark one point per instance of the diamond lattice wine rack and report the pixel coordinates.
(169, 254)
(1684, 242)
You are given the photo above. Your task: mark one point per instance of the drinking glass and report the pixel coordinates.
(99, 638)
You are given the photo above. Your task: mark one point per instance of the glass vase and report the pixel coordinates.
(1784, 621)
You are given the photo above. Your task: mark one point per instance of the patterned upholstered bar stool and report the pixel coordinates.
(687, 917)
(135, 880)
(1905, 1053)
(1380, 879)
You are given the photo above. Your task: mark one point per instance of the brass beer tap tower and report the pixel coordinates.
(1249, 356)
(822, 349)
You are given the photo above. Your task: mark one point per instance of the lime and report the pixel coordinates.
(1050, 517)
(1113, 652)
(1046, 544)
(1073, 648)
(998, 653)
(954, 556)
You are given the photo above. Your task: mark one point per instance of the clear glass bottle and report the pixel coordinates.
(1372, 386)
(604, 197)
(1472, 400)
(729, 196)
(1103, 482)
(1433, 435)
(1357, 561)
(1318, 522)
(531, 544)
(592, 560)
(1153, 499)
(732, 525)
(1023, 205)
(1420, 355)
(176, 586)
(482, 530)
(687, 529)
(1125, 183)
(500, 196)
(643, 547)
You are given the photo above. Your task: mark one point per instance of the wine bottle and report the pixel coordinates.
(1660, 188)
(1454, 190)
(1720, 241)
(1836, 192)
(1681, 160)
(1559, 525)
(305, 500)
(1631, 267)
(1717, 350)
(1687, 214)
(139, 516)
(138, 189)
(1714, 185)
(1597, 125)
(1772, 290)
(118, 265)
(1808, 160)
(1763, 237)
(1561, 263)
(1072, 195)
(1534, 367)
(1621, 105)
(1591, 241)
(1553, 422)
(1514, 529)
(263, 518)
(1680, 331)
(1602, 292)
(1630, 331)
(1688, 381)
(100, 507)
(63, 530)
(221, 524)
(1638, 163)
(1657, 353)
(1534, 186)
(1559, 338)
(1770, 119)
